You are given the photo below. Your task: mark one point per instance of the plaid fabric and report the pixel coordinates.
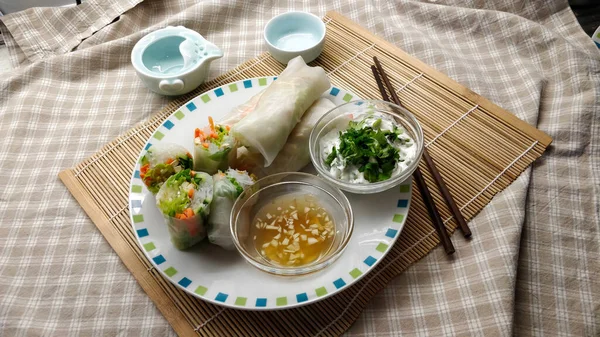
(532, 267)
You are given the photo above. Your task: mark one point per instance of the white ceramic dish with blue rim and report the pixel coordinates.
(596, 37)
(295, 33)
(224, 277)
(173, 60)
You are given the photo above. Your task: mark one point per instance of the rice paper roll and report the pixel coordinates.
(214, 148)
(266, 128)
(248, 161)
(184, 200)
(236, 114)
(161, 161)
(240, 111)
(227, 188)
(295, 153)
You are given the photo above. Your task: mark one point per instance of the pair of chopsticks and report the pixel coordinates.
(380, 74)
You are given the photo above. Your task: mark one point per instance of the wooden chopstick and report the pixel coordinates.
(438, 224)
(384, 94)
(431, 164)
(447, 196)
(433, 212)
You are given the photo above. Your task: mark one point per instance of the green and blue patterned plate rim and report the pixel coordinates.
(251, 301)
(596, 37)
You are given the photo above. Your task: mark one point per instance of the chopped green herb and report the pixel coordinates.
(221, 132)
(155, 176)
(377, 124)
(186, 161)
(368, 149)
(184, 175)
(331, 156)
(238, 188)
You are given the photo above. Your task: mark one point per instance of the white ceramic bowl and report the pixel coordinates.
(295, 33)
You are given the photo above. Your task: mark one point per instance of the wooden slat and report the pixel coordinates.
(126, 253)
(478, 147)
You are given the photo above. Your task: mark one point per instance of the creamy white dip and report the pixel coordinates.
(343, 170)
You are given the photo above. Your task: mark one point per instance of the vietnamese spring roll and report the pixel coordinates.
(184, 200)
(214, 148)
(240, 111)
(161, 161)
(227, 188)
(266, 128)
(295, 154)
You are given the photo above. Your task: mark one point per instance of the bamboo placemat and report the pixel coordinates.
(479, 149)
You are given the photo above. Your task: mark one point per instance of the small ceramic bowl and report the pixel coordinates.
(295, 33)
(264, 192)
(173, 60)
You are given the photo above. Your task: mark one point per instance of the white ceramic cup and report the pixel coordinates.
(295, 33)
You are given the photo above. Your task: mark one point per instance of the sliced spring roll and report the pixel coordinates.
(228, 187)
(266, 128)
(214, 148)
(162, 161)
(295, 154)
(184, 200)
(248, 161)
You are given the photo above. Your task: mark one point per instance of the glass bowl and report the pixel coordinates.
(339, 117)
(264, 191)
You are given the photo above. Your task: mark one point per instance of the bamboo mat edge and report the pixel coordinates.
(437, 75)
(162, 301)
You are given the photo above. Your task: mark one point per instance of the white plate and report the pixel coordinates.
(223, 277)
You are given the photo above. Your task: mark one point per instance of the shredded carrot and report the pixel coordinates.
(199, 134)
(144, 170)
(214, 135)
(192, 229)
(189, 155)
(193, 173)
(187, 213)
(170, 160)
(205, 145)
(228, 127)
(191, 193)
(212, 124)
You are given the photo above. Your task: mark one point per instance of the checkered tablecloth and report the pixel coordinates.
(532, 267)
